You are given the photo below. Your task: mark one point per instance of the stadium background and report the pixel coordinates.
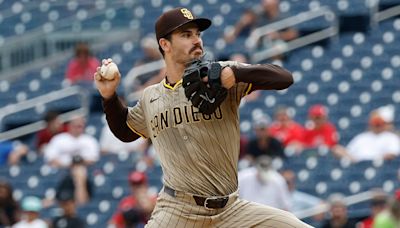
(352, 67)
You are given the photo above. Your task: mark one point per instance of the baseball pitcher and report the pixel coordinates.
(193, 121)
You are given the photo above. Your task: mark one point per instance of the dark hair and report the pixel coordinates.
(65, 195)
(395, 208)
(82, 48)
(51, 115)
(167, 37)
(65, 189)
(132, 216)
(9, 200)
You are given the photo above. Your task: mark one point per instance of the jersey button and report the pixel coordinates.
(185, 137)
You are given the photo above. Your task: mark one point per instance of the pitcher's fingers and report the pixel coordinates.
(98, 69)
(97, 76)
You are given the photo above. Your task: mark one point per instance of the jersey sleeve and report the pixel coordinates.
(261, 76)
(136, 119)
(238, 91)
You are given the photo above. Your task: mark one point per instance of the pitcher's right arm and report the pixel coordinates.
(116, 112)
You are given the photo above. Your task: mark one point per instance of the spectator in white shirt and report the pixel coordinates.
(111, 144)
(376, 143)
(300, 200)
(31, 207)
(75, 142)
(263, 184)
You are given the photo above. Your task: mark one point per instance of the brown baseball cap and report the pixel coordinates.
(175, 18)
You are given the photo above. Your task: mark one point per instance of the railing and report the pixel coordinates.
(42, 100)
(313, 37)
(136, 72)
(324, 207)
(386, 14)
(250, 43)
(117, 36)
(19, 52)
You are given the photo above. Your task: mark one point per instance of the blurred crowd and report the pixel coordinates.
(67, 146)
(283, 136)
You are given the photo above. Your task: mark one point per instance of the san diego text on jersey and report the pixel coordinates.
(180, 115)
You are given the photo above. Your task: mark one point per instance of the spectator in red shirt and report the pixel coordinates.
(286, 130)
(53, 127)
(83, 66)
(319, 131)
(136, 208)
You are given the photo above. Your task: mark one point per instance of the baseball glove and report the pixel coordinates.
(206, 96)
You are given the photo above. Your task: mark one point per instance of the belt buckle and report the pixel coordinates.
(206, 202)
(219, 199)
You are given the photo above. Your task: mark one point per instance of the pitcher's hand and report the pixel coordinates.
(106, 87)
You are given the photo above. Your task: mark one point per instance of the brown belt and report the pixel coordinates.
(207, 202)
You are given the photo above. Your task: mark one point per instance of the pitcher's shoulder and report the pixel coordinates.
(153, 88)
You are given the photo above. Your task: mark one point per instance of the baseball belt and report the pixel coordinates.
(207, 202)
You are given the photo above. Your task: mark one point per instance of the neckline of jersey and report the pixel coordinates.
(168, 86)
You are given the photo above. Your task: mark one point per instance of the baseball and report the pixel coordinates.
(108, 69)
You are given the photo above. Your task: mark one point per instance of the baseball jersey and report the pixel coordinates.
(189, 142)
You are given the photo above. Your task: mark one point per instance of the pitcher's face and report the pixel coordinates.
(186, 43)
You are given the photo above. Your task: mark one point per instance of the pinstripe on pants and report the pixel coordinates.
(182, 211)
